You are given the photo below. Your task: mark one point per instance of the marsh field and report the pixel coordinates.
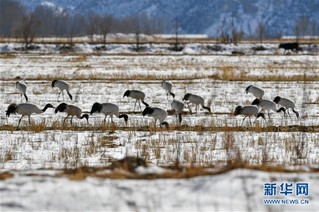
(204, 152)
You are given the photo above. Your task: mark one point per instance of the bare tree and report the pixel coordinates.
(278, 32)
(11, 16)
(237, 34)
(137, 33)
(93, 25)
(314, 28)
(27, 30)
(224, 36)
(177, 46)
(301, 27)
(261, 29)
(46, 17)
(105, 26)
(157, 25)
(69, 30)
(145, 24)
(46, 21)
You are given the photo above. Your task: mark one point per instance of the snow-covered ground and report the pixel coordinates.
(147, 47)
(238, 190)
(203, 139)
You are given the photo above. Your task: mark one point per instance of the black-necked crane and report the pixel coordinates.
(178, 107)
(71, 110)
(108, 109)
(25, 109)
(197, 100)
(157, 114)
(22, 87)
(267, 105)
(62, 85)
(248, 111)
(257, 92)
(287, 103)
(167, 85)
(137, 95)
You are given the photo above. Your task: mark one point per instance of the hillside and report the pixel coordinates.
(210, 17)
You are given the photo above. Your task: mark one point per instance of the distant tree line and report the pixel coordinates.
(16, 21)
(43, 21)
(230, 32)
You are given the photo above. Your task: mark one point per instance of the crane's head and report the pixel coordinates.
(262, 115)
(125, 117)
(186, 97)
(53, 83)
(147, 111)
(237, 110)
(256, 102)
(247, 89)
(127, 93)
(165, 124)
(47, 106)
(11, 109)
(97, 107)
(60, 108)
(277, 99)
(86, 116)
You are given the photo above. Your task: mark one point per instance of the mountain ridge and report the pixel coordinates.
(206, 17)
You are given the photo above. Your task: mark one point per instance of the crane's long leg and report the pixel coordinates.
(180, 118)
(134, 106)
(288, 113)
(65, 118)
(25, 96)
(155, 125)
(139, 103)
(176, 114)
(62, 95)
(59, 95)
(243, 120)
(19, 121)
(189, 108)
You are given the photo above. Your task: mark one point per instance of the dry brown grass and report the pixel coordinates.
(36, 127)
(82, 173)
(258, 128)
(8, 56)
(269, 78)
(7, 127)
(278, 73)
(180, 172)
(6, 175)
(123, 76)
(107, 141)
(225, 76)
(78, 58)
(8, 156)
